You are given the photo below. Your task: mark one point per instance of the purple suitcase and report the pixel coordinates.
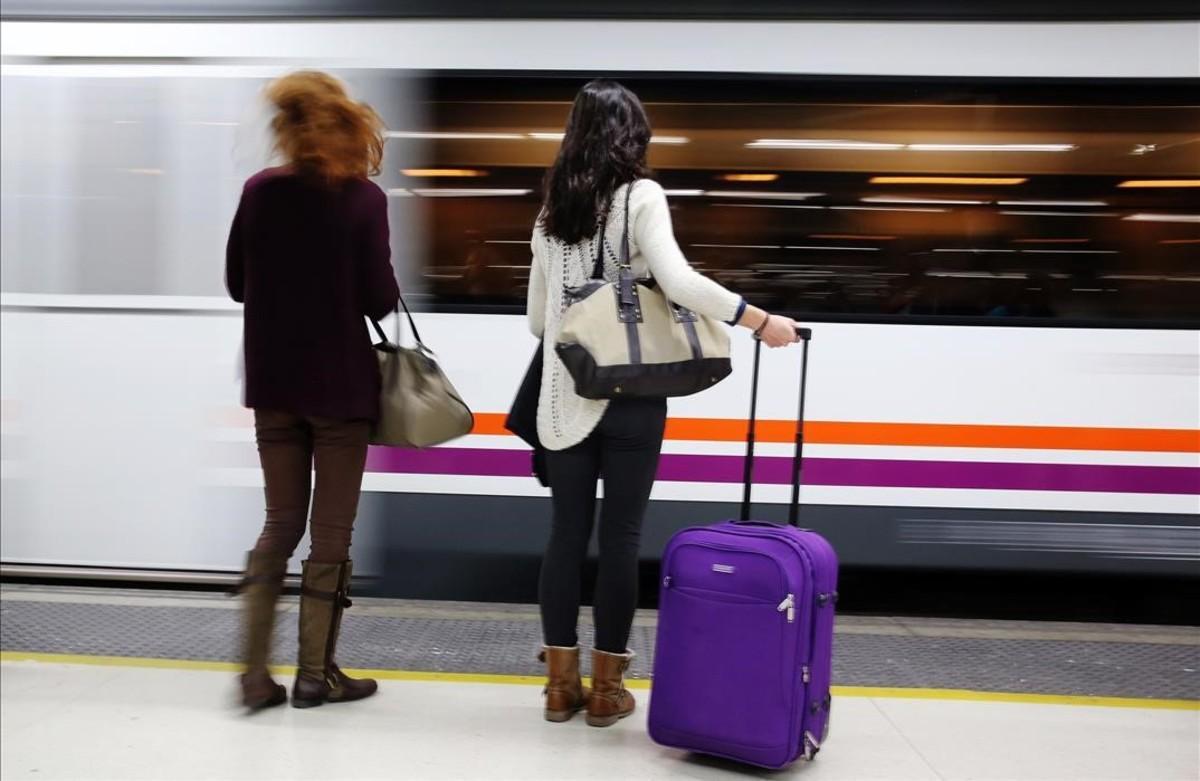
(743, 658)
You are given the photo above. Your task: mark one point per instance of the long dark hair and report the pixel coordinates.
(604, 147)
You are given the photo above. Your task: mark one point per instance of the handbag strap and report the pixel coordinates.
(400, 304)
(625, 234)
(598, 266)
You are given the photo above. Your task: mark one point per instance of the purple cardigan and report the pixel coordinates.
(309, 261)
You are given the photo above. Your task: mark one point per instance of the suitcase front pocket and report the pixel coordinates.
(739, 573)
(721, 664)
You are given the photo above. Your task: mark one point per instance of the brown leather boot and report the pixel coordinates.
(260, 587)
(324, 595)
(609, 700)
(565, 694)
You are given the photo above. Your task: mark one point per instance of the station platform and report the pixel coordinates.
(137, 684)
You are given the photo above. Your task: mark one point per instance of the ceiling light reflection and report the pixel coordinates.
(1160, 183)
(849, 237)
(1051, 241)
(955, 180)
(769, 206)
(992, 147)
(449, 173)
(977, 251)
(1163, 218)
(977, 275)
(762, 194)
(1052, 203)
(857, 145)
(737, 246)
(749, 177)
(1068, 252)
(820, 143)
(888, 209)
(944, 201)
(1058, 214)
(834, 249)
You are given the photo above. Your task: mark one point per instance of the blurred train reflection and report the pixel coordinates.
(862, 198)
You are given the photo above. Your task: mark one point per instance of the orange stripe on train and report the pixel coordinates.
(918, 434)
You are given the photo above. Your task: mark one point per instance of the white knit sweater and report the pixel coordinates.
(564, 417)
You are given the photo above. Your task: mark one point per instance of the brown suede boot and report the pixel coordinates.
(609, 700)
(565, 694)
(260, 587)
(324, 595)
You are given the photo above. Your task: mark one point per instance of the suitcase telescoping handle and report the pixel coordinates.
(804, 335)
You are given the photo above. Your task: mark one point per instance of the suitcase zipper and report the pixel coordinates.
(788, 604)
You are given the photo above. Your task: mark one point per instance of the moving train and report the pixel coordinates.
(992, 229)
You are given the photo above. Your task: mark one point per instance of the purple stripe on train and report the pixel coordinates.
(827, 471)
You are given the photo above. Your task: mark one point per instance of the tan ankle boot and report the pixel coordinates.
(609, 700)
(565, 695)
(324, 595)
(260, 588)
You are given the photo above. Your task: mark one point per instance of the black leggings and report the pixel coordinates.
(623, 450)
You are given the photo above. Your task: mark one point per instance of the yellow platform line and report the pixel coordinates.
(886, 692)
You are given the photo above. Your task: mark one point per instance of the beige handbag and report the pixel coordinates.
(624, 338)
(418, 407)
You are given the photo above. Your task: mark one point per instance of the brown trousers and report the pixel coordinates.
(290, 447)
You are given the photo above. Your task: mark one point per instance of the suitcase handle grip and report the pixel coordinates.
(803, 334)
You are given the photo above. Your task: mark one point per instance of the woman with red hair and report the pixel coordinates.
(309, 257)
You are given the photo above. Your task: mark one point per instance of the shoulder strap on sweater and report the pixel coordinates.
(625, 234)
(598, 266)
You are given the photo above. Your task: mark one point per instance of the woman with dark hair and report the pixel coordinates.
(603, 154)
(308, 255)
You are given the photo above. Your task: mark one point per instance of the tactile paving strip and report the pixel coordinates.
(492, 639)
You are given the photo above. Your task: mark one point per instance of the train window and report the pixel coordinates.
(849, 199)
(857, 199)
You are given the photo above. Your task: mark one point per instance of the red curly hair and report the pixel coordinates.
(321, 130)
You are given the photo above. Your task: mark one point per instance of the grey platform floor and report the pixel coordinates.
(1000, 656)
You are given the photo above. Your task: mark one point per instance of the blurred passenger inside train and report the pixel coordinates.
(603, 155)
(486, 279)
(308, 255)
